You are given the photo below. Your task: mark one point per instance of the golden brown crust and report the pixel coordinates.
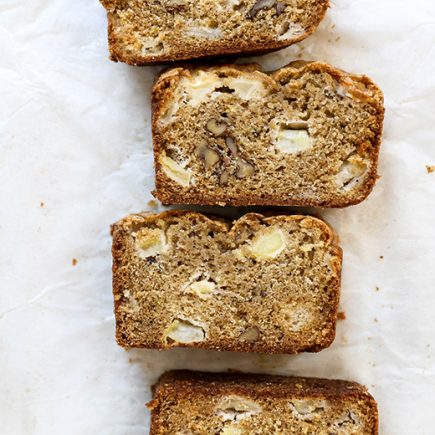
(176, 386)
(361, 87)
(118, 52)
(122, 229)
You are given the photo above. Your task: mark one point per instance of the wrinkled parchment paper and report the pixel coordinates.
(76, 156)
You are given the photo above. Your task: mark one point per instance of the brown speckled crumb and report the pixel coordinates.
(258, 284)
(305, 135)
(146, 32)
(242, 404)
(152, 203)
(74, 261)
(430, 169)
(341, 315)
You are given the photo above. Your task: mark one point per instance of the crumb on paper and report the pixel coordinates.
(74, 261)
(341, 315)
(41, 204)
(381, 257)
(375, 320)
(337, 38)
(152, 203)
(377, 289)
(430, 168)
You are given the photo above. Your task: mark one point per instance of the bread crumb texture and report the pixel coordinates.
(145, 32)
(258, 284)
(430, 168)
(239, 404)
(306, 135)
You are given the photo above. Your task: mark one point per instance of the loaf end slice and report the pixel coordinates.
(240, 404)
(258, 284)
(146, 32)
(306, 135)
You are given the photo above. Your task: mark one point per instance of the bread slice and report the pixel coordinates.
(145, 32)
(241, 404)
(259, 284)
(306, 135)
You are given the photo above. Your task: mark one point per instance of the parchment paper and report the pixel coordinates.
(76, 156)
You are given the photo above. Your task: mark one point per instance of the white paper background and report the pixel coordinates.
(75, 136)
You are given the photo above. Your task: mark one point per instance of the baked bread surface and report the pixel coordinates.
(258, 284)
(305, 135)
(154, 31)
(197, 403)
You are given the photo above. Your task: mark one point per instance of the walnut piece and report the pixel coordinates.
(224, 177)
(245, 169)
(258, 5)
(250, 334)
(279, 7)
(174, 5)
(350, 420)
(209, 156)
(231, 144)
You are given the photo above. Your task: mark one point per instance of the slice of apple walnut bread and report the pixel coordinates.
(259, 284)
(306, 135)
